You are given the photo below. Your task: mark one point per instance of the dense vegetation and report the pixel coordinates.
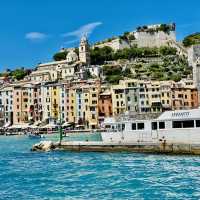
(100, 55)
(60, 56)
(163, 27)
(191, 40)
(17, 74)
(166, 68)
(115, 73)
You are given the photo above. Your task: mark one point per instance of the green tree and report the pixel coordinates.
(19, 74)
(60, 56)
(100, 55)
(167, 51)
(191, 40)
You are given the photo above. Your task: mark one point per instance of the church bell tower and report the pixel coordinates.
(84, 51)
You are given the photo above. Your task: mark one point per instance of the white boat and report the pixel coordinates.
(181, 126)
(171, 132)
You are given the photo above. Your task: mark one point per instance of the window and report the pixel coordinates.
(177, 124)
(188, 124)
(94, 95)
(154, 126)
(197, 123)
(133, 126)
(161, 125)
(183, 124)
(94, 102)
(140, 126)
(123, 127)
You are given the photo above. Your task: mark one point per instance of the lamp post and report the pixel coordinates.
(60, 127)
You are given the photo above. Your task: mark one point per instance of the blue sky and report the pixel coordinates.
(33, 30)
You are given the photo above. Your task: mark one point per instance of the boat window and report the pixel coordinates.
(177, 124)
(188, 124)
(133, 126)
(161, 125)
(140, 126)
(154, 126)
(107, 126)
(119, 127)
(197, 123)
(123, 127)
(183, 124)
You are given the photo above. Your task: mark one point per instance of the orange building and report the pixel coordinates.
(20, 105)
(105, 105)
(184, 97)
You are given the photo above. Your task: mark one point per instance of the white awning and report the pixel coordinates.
(33, 126)
(50, 126)
(6, 125)
(37, 123)
(19, 126)
(66, 124)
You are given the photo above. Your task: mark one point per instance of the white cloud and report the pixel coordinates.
(35, 36)
(71, 41)
(85, 30)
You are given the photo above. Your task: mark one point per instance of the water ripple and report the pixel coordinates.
(73, 176)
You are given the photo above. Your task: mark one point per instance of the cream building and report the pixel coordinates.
(72, 56)
(6, 103)
(53, 71)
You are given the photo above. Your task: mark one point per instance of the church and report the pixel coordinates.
(67, 69)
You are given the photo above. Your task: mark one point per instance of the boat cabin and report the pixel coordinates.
(168, 120)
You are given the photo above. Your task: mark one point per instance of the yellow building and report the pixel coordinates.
(55, 101)
(118, 99)
(166, 94)
(91, 105)
(71, 107)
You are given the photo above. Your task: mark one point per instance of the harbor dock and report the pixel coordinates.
(157, 148)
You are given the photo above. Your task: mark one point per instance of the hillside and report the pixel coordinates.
(191, 40)
(141, 63)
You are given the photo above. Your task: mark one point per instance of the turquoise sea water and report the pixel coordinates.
(28, 175)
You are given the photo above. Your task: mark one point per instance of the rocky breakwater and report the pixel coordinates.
(44, 146)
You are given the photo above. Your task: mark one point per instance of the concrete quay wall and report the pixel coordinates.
(192, 149)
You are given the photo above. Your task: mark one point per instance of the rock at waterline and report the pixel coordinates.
(43, 146)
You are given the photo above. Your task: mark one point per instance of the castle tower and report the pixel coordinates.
(84, 51)
(194, 61)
